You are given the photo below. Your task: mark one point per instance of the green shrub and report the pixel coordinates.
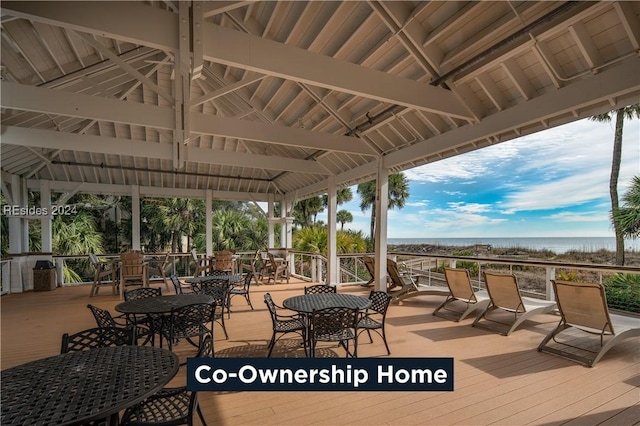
(623, 292)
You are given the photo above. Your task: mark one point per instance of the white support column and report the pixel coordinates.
(15, 237)
(24, 223)
(46, 220)
(270, 235)
(332, 251)
(382, 203)
(209, 223)
(135, 217)
(283, 225)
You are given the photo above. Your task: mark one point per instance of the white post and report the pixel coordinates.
(270, 235)
(332, 252)
(209, 224)
(15, 237)
(381, 206)
(46, 220)
(135, 217)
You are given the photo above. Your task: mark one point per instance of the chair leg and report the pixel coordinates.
(202, 420)
(272, 343)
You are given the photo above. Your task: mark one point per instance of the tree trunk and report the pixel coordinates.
(613, 184)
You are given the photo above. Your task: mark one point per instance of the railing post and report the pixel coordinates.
(314, 260)
(550, 275)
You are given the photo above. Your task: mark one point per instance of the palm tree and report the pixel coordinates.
(398, 194)
(620, 114)
(627, 217)
(304, 210)
(344, 216)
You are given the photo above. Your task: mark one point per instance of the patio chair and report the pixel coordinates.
(98, 337)
(133, 270)
(169, 406)
(104, 319)
(583, 307)
(336, 324)
(505, 295)
(408, 285)
(103, 269)
(463, 300)
(370, 264)
(153, 322)
(223, 261)
(284, 324)
(158, 267)
(255, 266)
(188, 322)
(219, 290)
(201, 264)
(374, 317)
(277, 269)
(179, 287)
(320, 289)
(244, 290)
(141, 293)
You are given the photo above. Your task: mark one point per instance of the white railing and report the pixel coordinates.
(5, 276)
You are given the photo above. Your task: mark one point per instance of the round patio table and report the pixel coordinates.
(307, 303)
(161, 304)
(231, 278)
(80, 387)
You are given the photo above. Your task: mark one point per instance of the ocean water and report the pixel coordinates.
(555, 244)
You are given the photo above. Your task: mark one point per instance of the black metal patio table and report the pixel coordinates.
(307, 303)
(80, 387)
(161, 304)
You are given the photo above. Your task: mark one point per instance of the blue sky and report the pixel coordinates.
(554, 183)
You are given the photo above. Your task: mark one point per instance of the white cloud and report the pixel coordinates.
(593, 216)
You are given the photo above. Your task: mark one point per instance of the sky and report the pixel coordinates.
(553, 183)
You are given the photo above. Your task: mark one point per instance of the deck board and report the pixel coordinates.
(498, 379)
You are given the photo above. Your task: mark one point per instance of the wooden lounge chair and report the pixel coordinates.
(103, 269)
(583, 307)
(462, 295)
(133, 270)
(408, 285)
(505, 295)
(158, 266)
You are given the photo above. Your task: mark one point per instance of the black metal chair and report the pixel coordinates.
(176, 284)
(141, 293)
(244, 290)
(374, 317)
(320, 289)
(283, 324)
(188, 322)
(170, 406)
(219, 290)
(105, 319)
(98, 337)
(153, 322)
(338, 324)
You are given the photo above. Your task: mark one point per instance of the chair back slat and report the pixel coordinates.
(583, 304)
(320, 289)
(504, 292)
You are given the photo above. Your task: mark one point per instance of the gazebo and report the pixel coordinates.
(278, 101)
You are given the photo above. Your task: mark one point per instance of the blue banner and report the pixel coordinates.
(320, 374)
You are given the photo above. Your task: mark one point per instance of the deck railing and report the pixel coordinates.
(534, 276)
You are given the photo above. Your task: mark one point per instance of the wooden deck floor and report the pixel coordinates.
(498, 380)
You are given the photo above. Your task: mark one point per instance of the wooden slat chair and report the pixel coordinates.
(223, 261)
(201, 265)
(463, 300)
(133, 270)
(505, 295)
(158, 267)
(583, 307)
(278, 269)
(255, 267)
(103, 269)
